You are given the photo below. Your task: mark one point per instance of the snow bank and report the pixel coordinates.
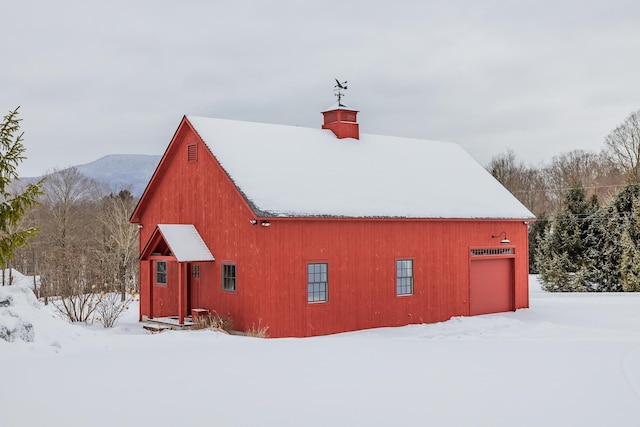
(569, 360)
(17, 305)
(24, 319)
(13, 318)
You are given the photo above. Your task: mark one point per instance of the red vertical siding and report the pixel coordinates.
(361, 255)
(271, 262)
(145, 288)
(200, 193)
(164, 297)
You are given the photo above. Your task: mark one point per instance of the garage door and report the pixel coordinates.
(492, 283)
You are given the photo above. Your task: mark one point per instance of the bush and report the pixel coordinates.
(110, 306)
(258, 331)
(79, 305)
(214, 321)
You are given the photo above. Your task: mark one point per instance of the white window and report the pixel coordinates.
(404, 277)
(317, 275)
(229, 277)
(161, 272)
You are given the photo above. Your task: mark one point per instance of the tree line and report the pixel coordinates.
(76, 237)
(587, 234)
(85, 243)
(69, 232)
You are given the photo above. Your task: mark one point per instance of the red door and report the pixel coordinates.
(491, 287)
(194, 289)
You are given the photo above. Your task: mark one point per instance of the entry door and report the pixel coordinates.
(492, 285)
(194, 289)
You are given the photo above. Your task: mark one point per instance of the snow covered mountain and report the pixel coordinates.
(120, 171)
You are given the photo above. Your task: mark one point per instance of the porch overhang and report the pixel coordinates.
(183, 242)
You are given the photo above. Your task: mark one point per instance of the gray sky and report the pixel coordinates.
(105, 77)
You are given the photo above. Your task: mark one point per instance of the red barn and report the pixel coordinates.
(319, 231)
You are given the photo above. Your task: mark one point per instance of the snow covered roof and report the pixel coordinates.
(185, 242)
(302, 172)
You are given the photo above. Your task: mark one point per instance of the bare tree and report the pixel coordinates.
(593, 172)
(119, 247)
(65, 190)
(67, 242)
(527, 184)
(505, 168)
(622, 146)
(534, 192)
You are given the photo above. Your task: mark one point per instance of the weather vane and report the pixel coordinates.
(338, 88)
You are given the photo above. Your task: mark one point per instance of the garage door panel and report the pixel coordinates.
(491, 287)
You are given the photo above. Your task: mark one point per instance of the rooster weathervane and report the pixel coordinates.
(338, 88)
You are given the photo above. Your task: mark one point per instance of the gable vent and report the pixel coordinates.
(192, 152)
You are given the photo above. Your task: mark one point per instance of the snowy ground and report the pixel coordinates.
(569, 360)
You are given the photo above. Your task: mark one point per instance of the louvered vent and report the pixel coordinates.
(192, 152)
(493, 251)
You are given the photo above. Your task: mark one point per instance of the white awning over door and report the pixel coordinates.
(185, 242)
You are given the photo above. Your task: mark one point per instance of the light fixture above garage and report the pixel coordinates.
(504, 241)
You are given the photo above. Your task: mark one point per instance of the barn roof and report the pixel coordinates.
(302, 172)
(185, 242)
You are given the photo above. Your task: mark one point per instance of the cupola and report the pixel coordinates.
(341, 119)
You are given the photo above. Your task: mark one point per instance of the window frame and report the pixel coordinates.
(165, 272)
(314, 296)
(228, 277)
(195, 271)
(402, 289)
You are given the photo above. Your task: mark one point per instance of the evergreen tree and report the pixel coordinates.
(14, 203)
(614, 240)
(630, 265)
(553, 266)
(537, 230)
(630, 254)
(604, 250)
(626, 199)
(562, 255)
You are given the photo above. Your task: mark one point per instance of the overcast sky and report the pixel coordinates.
(105, 77)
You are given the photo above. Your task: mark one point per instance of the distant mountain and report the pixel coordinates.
(120, 171)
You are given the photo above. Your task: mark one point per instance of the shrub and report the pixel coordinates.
(79, 305)
(258, 331)
(214, 321)
(111, 305)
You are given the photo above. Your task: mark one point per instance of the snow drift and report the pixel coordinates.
(13, 318)
(571, 359)
(25, 319)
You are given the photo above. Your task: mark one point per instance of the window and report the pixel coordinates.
(192, 152)
(195, 271)
(404, 277)
(229, 277)
(317, 282)
(161, 272)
